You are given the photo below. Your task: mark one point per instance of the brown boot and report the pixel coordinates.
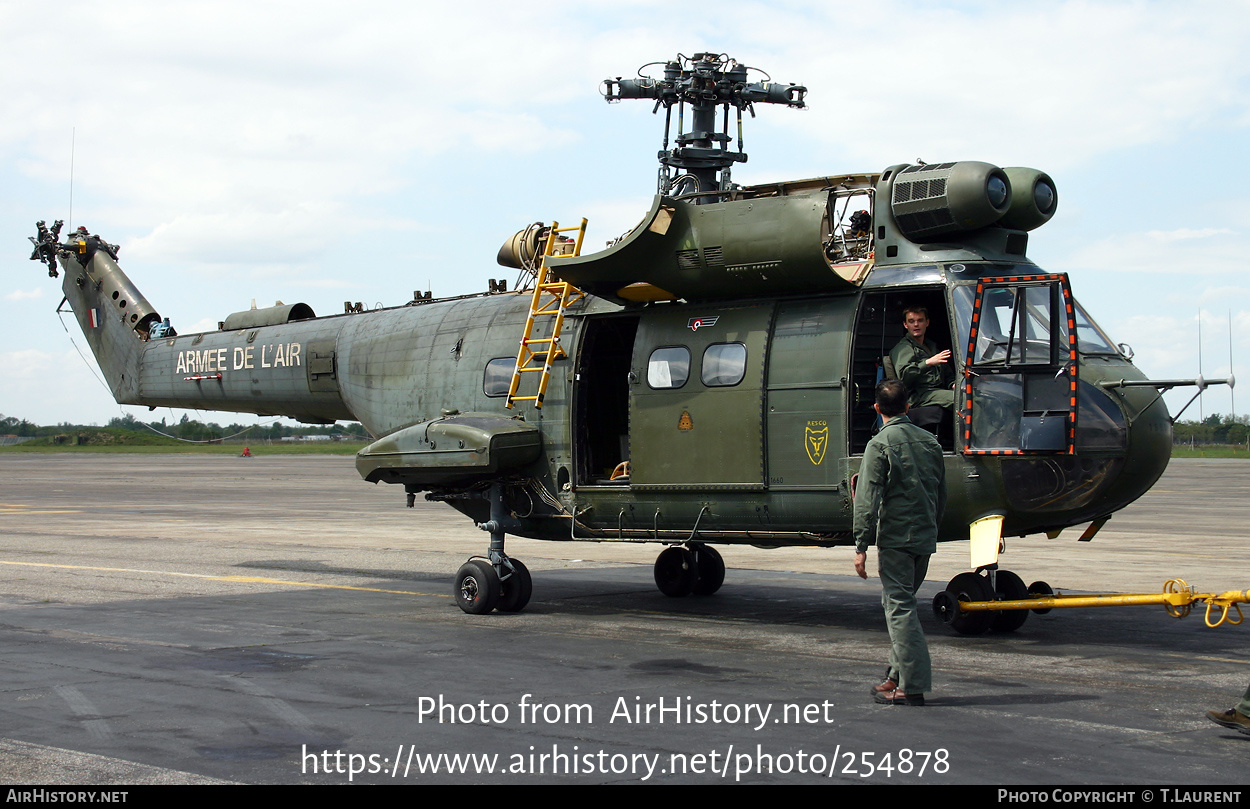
(1230, 719)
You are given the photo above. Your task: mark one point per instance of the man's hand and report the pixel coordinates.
(861, 559)
(939, 358)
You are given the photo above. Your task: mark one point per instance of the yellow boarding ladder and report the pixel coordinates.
(550, 299)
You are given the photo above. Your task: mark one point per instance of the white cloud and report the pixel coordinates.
(50, 387)
(22, 295)
(1050, 84)
(1184, 252)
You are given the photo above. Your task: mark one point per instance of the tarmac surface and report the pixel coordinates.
(208, 619)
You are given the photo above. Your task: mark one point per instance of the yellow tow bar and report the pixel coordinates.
(1177, 598)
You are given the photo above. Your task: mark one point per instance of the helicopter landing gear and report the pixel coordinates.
(964, 587)
(1009, 587)
(697, 569)
(515, 591)
(496, 581)
(477, 587)
(977, 587)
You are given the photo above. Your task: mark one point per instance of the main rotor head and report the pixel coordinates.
(704, 81)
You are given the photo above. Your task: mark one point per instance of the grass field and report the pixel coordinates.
(322, 448)
(1211, 451)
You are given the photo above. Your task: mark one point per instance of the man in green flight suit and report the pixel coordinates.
(899, 499)
(925, 371)
(1237, 717)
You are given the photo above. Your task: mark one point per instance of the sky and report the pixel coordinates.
(325, 152)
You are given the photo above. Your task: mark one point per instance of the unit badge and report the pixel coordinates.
(696, 323)
(817, 440)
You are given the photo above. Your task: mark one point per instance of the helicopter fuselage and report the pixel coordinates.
(742, 421)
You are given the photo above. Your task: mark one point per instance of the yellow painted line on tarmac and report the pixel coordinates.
(23, 508)
(234, 579)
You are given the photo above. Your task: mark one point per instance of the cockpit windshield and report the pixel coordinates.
(1021, 318)
(1090, 339)
(1020, 325)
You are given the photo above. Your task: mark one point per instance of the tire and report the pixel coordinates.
(969, 587)
(675, 572)
(1009, 587)
(476, 588)
(710, 566)
(1041, 588)
(515, 591)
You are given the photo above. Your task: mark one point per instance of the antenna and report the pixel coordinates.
(1200, 418)
(1232, 394)
(73, 137)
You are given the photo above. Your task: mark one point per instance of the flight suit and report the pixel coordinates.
(926, 384)
(899, 500)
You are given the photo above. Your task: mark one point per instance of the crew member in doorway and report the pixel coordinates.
(927, 372)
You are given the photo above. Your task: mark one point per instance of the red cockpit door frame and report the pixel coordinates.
(1021, 368)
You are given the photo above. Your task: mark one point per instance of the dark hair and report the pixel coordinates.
(892, 398)
(915, 310)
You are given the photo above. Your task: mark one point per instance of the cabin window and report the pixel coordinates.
(498, 376)
(724, 364)
(668, 367)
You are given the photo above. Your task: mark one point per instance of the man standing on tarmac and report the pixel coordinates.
(1236, 718)
(899, 500)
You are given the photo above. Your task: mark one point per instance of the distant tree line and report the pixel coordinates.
(1214, 429)
(189, 429)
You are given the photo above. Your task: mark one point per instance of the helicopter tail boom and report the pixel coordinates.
(278, 361)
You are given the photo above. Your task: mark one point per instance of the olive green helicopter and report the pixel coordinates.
(709, 377)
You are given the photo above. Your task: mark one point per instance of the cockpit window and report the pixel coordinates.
(1090, 339)
(962, 297)
(1021, 376)
(1017, 324)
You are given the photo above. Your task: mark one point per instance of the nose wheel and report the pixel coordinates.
(696, 569)
(976, 587)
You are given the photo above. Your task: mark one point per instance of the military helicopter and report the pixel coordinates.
(708, 378)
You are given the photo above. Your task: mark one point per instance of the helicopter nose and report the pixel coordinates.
(1117, 460)
(1148, 448)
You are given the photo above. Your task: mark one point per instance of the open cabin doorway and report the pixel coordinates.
(601, 399)
(878, 328)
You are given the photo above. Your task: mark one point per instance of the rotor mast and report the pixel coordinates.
(703, 82)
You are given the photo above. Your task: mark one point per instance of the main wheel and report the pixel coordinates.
(515, 591)
(964, 587)
(1009, 587)
(675, 572)
(711, 569)
(477, 587)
